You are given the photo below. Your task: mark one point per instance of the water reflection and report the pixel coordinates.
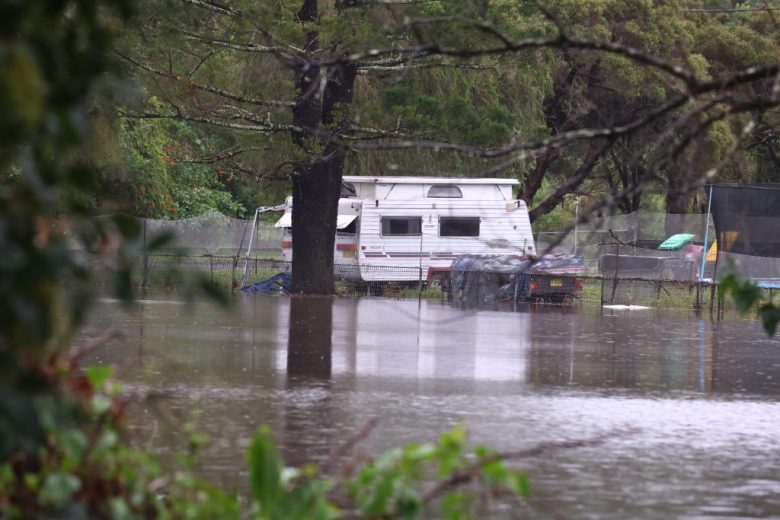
(309, 404)
(309, 347)
(743, 366)
(702, 394)
(320, 340)
(645, 354)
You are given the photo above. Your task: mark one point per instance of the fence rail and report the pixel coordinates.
(623, 265)
(170, 272)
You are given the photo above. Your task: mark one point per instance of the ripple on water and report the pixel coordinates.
(689, 409)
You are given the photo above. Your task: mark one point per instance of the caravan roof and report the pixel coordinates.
(425, 180)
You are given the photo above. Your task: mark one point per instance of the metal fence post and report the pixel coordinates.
(145, 276)
(615, 276)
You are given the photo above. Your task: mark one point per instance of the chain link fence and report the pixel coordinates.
(623, 265)
(272, 277)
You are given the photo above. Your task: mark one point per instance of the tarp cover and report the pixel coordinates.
(511, 264)
(280, 283)
(285, 221)
(747, 219)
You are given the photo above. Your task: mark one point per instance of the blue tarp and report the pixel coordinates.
(280, 283)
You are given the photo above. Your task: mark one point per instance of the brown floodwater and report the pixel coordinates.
(689, 408)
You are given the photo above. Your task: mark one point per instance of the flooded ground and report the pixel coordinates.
(690, 407)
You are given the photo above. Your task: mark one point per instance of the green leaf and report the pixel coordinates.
(214, 291)
(770, 317)
(73, 442)
(455, 506)
(159, 240)
(409, 505)
(450, 451)
(264, 471)
(518, 483)
(128, 226)
(415, 453)
(746, 296)
(107, 441)
(100, 404)
(122, 285)
(308, 500)
(98, 375)
(58, 488)
(378, 503)
(119, 509)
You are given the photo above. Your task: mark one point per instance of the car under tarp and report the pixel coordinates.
(482, 279)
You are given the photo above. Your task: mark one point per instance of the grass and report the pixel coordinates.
(349, 290)
(412, 293)
(174, 276)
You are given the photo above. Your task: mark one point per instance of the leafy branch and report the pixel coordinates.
(748, 296)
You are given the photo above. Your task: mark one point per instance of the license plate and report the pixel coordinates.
(349, 254)
(556, 283)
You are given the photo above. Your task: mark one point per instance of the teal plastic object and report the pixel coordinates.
(676, 241)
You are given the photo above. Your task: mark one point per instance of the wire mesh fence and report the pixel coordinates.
(476, 288)
(623, 265)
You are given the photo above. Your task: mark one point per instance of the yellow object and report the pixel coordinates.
(712, 253)
(728, 238)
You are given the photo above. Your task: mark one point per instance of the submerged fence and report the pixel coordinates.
(170, 273)
(623, 265)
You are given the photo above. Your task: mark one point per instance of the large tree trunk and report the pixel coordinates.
(316, 191)
(317, 185)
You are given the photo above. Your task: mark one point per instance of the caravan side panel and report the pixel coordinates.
(504, 228)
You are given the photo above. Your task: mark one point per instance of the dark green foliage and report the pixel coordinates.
(455, 119)
(60, 448)
(85, 469)
(415, 481)
(265, 472)
(49, 57)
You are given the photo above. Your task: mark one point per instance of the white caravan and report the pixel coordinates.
(412, 228)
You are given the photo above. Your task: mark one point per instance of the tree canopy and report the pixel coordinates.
(609, 99)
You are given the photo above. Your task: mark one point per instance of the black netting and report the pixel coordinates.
(747, 219)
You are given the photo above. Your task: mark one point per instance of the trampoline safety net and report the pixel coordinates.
(747, 227)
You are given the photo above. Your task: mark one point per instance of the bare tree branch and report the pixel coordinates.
(214, 7)
(205, 88)
(263, 128)
(508, 45)
(244, 47)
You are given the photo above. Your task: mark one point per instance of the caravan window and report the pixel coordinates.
(401, 226)
(459, 226)
(445, 191)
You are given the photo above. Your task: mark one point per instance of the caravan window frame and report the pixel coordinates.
(465, 220)
(384, 231)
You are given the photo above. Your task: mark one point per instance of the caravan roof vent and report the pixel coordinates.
(445, 191)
